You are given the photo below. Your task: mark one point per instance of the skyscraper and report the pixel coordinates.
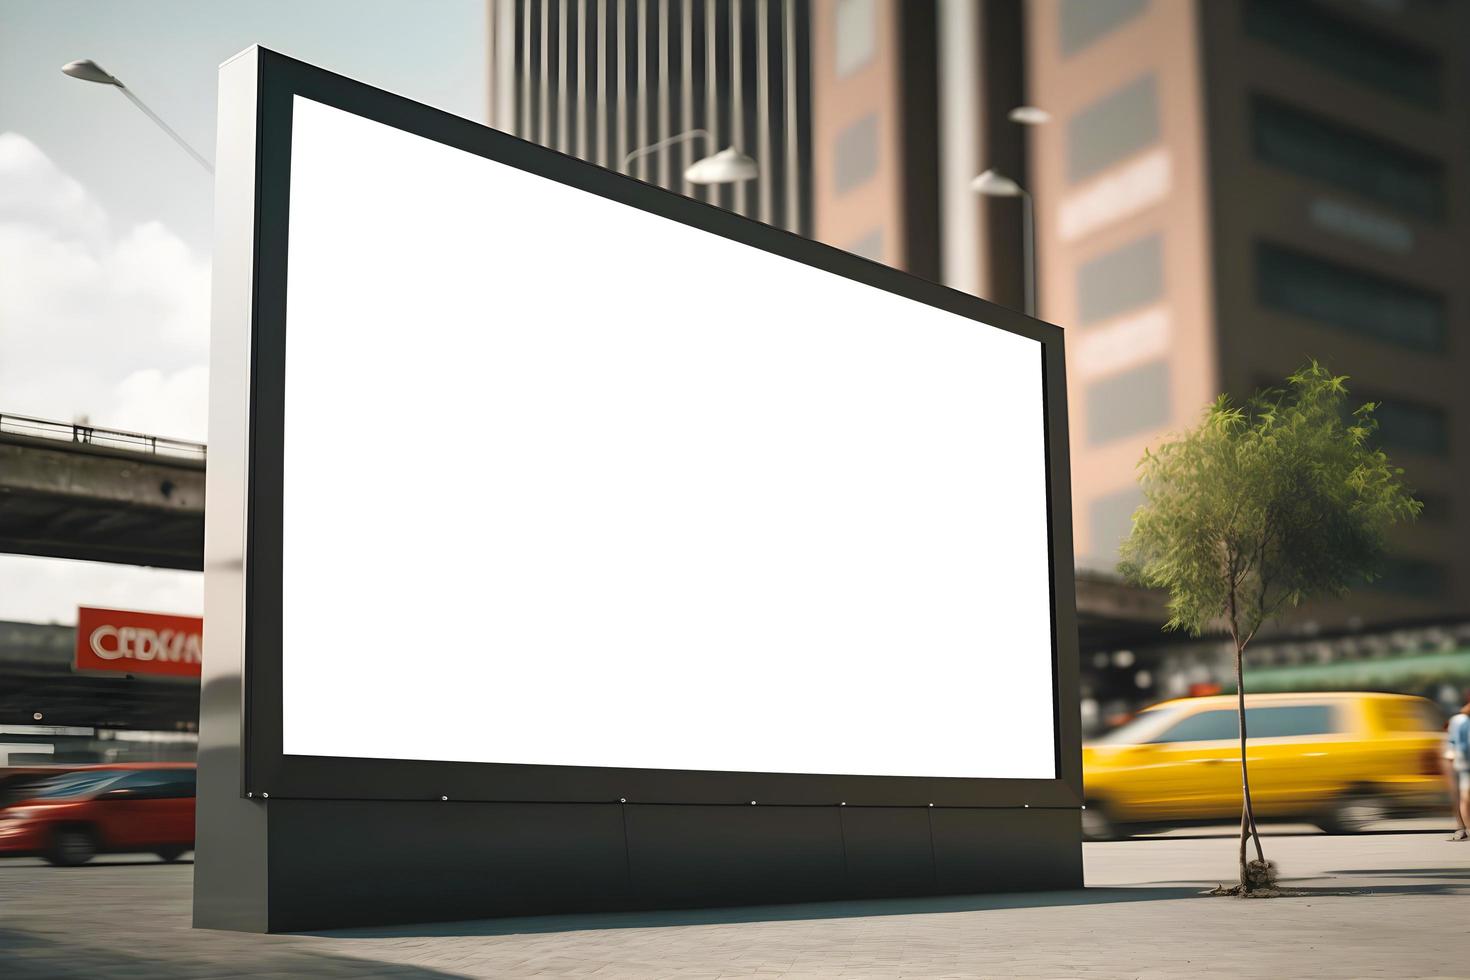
(648, 87)
(1227, 189)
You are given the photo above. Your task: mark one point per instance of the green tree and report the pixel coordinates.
(1257, 509)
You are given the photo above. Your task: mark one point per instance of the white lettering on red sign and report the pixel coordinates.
(140, 643)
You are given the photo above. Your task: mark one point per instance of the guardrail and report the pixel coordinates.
(92, 435)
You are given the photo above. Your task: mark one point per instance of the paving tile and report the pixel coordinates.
(1378, 906)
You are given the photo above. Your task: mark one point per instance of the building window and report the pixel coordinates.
(1366, 227)
(870, 246)
(1412, 577)
(857, 153)
(1110, 520)
(1112, 128)
(857, 32)
(1121, 280)
(1084, 21)
(1315, 34)
(1303, 285)
(1410, 426)
(1125, 404)
(1314, 147)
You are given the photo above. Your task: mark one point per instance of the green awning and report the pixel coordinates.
(1412, 672)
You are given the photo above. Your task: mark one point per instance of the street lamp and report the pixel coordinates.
(728, 166)
(993, 183)
(89, 71)
(1029, 115)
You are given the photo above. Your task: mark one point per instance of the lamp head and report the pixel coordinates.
(89, 71)
(993, 183)
(1029, 115)
(728, 166)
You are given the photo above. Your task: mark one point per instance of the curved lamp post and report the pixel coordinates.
(993, 183)
(89, 71)
(728, 166)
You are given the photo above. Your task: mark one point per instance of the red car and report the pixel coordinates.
(103, 809)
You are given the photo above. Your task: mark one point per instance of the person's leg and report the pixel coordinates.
(1452, 779)
(1465, 797)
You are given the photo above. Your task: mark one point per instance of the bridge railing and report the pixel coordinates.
(92, 435)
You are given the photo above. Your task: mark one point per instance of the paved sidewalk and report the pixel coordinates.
(1391, 905)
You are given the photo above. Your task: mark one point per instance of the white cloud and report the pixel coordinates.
(48, 590)
(175, 403)
(34, 191)
(113, 326)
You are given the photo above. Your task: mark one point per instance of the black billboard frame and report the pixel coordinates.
(268, 773)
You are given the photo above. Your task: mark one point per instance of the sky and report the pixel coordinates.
(105, 223)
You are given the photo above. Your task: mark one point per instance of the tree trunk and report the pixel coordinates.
(1244, 833)
(1247, 812)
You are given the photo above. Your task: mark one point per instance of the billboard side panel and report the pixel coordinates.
(230, 867)
(1067, 679)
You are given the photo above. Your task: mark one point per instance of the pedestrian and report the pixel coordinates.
(1452, 781)
(1457, 743)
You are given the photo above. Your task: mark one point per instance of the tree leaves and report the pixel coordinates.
(1265, 505)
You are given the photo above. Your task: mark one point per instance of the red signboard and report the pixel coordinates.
(138, 642)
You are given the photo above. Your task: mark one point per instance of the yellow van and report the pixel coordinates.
(1339, 760)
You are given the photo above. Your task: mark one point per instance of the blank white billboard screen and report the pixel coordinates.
(568, 483)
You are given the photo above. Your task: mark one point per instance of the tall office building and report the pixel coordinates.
(648, 87)
(1225, 188)
(909, 103)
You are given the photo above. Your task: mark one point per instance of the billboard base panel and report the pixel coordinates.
(342, 863)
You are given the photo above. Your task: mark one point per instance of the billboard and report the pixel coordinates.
(565, 488)
(138, 642)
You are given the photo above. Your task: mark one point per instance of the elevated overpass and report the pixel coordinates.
(1112, 615)
(69, 490)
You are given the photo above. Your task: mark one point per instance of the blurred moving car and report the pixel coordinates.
(16, 782)
(69, 818)
(1339, 760)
